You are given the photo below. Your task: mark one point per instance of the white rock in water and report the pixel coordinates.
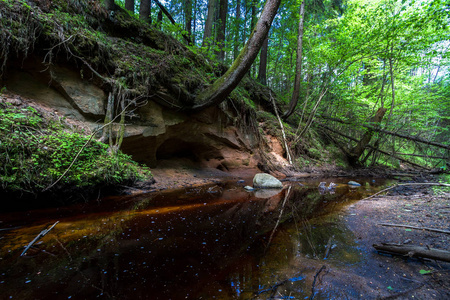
(266, 181)
(354, 183)
(248, 188)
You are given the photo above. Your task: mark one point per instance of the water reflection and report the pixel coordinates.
(198, 244)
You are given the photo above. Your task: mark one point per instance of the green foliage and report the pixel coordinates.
(34, 153)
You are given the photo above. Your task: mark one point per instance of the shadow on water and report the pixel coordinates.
(205, 243)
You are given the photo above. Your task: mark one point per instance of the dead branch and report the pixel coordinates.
(407, 184)
(38, 237)
(414, 251)
(371, 147)
(408, 137)
(84, 146)
(327, 251)
(416, 227)
(314, 282)
(288, 154)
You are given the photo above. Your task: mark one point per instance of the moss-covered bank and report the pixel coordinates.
(40, 155)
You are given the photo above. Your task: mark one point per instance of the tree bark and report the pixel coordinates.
(164, 10)
(188, 18)
(358, 150)
(298, 68)
(110, 5)
(237, 26)
(414, 251)
(207, 34)
(222, 87)
(262, 73)
(129, 5)
(220, 39)
(145, 10)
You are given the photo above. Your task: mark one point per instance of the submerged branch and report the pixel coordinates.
(407, 184)
(416, 227)
(38, 237)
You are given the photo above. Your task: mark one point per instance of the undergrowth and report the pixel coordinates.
(35, 152)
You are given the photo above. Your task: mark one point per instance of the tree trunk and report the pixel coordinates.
(262, 74)
(237, 28)
(220, 39)
(164, 10)
(252, 25)
(109, 4)
(129, 5)
(298, 68)
(159, 19)
(145, 10)
(207, 34)
(358, 150)
(222, 87)
(188, 18)
(414, 251)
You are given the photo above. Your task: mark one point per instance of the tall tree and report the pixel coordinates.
(237, 25)
(207, 33)
(262, 73)
(298, 67)
(222, 87)
(145, 11)
(129, 5)
(221, 28)
(188, 18)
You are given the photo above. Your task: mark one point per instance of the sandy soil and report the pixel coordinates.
(383, 276)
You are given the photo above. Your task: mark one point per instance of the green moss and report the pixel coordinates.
(35, 152)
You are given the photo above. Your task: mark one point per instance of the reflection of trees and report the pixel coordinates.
(189, 244)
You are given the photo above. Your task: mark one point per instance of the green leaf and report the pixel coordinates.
(423, 272)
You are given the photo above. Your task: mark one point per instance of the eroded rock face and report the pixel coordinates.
(155, 135)
(178, 137)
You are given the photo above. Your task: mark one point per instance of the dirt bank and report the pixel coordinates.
(381, 276)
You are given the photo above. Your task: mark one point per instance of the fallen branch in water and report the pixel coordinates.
(38, 237)
(407, 184)
(416, 227)
(327, 252)
(414, 251)
(314, 282)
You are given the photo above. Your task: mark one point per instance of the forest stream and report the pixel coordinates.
(210, 242)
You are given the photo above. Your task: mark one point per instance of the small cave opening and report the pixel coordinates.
(176, 148)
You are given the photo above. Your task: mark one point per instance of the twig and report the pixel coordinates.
(39, 236)
(84, 146)
(328, 247)
(279, 217)
(416, 227)
(314, 282)
(407, 184)
(282, 130)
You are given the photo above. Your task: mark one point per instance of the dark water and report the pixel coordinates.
(217, 242)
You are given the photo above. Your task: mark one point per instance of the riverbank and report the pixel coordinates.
(355, 270)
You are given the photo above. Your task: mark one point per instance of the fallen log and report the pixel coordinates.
(416, 227)
(414, 251)
(369, 146)
(405, 136)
